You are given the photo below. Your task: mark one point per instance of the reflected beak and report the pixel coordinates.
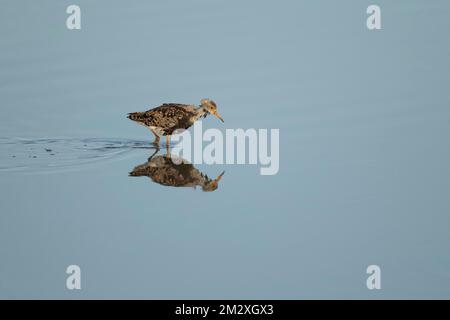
(218, 116)
(219, 177)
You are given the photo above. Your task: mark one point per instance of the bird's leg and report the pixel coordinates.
(156, 141)
(168, 147)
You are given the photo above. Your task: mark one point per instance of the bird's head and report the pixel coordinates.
(211, 107)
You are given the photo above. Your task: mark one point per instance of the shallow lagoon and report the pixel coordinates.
(364, 126)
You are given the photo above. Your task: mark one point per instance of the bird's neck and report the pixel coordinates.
(200, 112)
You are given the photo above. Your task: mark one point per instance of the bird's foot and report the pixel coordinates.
(156, 143)
(168, 142)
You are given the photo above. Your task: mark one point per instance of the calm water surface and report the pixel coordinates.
(364, 157)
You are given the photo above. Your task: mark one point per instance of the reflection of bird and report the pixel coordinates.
(175, 172)
(167, 118)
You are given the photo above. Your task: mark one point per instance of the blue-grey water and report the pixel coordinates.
(364, 153)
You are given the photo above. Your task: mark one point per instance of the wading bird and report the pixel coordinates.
(163, 170)
(165, 119)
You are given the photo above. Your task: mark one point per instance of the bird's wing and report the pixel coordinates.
(167, 115)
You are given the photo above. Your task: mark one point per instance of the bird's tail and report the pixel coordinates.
(135, 116)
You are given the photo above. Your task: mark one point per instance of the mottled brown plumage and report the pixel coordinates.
(169, 117)
(162, 170)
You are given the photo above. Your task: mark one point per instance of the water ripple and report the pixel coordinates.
(43, 155)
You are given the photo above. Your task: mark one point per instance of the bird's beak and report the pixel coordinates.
(218, 116)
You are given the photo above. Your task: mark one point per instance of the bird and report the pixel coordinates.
(169, 117)
(168, 171)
